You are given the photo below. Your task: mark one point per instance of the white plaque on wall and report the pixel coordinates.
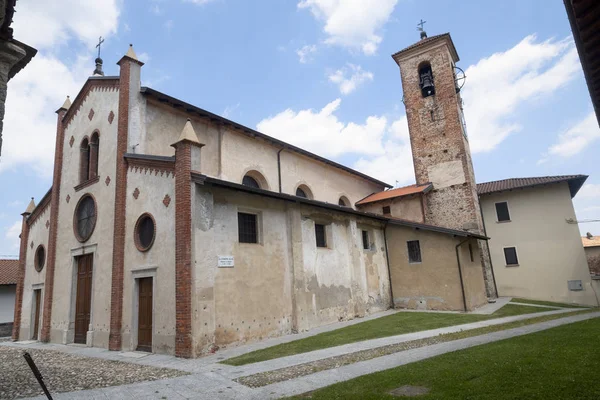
(225, 262)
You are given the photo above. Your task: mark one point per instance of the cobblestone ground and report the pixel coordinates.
(65, 372)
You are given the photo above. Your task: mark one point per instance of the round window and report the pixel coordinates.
(145, 231)
(85, 218)
(40, 258)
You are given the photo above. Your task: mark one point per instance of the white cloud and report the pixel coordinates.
(156, 10)
(168, 25)
(576, 138)
(347, 84)
(497, 86)
(589, 191)
(12, 239)
(42, 86)
(354, 24)
(323, 133)
(229, 110)
(586, 206)
(143, 57)
(55, 25)
(199, 2)
(305, 53)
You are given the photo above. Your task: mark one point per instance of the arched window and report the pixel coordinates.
(84, 160)
(304, 191)
(344, 202)
(255, 180)
(426, 79)
(94, 147)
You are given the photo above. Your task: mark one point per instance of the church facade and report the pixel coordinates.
(173, 230)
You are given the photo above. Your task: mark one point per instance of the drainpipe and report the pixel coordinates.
(487, 244)
(279, 166)
(387, 259)
(462, 284)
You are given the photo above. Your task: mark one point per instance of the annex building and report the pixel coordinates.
(174, 230)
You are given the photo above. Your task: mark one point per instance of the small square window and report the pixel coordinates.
(510, 255)
(387, 210)
(365, 240)
(320, 235)
(502, 213)
(414, 251)
(247, 228)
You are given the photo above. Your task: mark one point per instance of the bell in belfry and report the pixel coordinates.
(426, 82)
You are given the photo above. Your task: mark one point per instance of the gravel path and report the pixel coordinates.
(65, 372)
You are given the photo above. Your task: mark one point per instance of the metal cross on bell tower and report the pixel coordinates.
(420, 28)
(98, 70)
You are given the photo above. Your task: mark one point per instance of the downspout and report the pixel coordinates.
(462, 284)
(487, 244)
(387, 259)
(279, 166)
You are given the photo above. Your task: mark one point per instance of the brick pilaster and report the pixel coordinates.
(21, 277)
(118, 261)
(183, 249)
(53, 228)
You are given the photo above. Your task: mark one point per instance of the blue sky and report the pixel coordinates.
(317, 73)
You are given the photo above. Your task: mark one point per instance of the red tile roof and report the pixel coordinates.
(9, 269)
(428, 40)
(393, 193)
(575, 182)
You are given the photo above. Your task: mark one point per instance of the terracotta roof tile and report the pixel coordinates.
(9, 270)
(575, 182)
(393, 193)
(593, 242)
(427, 40)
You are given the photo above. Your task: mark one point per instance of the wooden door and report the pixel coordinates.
(145, 314)
(37, 297)
(83, 300)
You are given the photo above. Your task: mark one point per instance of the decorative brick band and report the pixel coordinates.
(53, 230)
(41, 207)
(118, 261)
(21, 278)
(183, 250)
(91, 84)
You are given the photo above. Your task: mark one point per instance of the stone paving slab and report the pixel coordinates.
(491, 308)
(542, 306)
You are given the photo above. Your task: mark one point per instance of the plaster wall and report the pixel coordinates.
(100, 243)
(158, 262)
(38, 235)
(434, 283)
(409, 208)
(7, 303)
(549, 250)
(284, 283)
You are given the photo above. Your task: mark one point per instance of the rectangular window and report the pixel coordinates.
(502, 213)
(510, 254)
(414, 251)
(247, 228)
(471, 252)
(387, 210)
(365, 240)
(320, 235)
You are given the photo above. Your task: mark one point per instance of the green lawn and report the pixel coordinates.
(546, 303)
(396, 324)
(559, 363)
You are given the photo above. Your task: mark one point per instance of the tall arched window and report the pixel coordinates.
(94, 147)
(304, 191)
(84, 160)
(426, 79)
(255, 180)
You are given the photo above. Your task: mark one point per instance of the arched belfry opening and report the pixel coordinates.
(426, 79)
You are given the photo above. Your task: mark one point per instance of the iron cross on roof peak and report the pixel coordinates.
(421, 29)
(100, 41)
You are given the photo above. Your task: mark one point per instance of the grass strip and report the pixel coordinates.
(546, 303)
(283, 374)
(391, 325)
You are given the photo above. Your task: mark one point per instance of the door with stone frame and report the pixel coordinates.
(144, 336)
(37, 301)
(83, 299)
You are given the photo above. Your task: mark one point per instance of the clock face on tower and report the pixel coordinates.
(85, 218)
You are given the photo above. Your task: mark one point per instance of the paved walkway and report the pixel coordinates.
(210, 380)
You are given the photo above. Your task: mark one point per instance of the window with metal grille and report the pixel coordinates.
(365, 240)
(247, 228)
(471, 252)
(250, 181)
(320, 235)
(414, 251)
(502, 211)
(510, 255)
(387, 210)
(301, 193)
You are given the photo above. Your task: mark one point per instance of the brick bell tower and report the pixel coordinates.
(440, 146)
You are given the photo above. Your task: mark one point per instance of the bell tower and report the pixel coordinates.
(440, 147)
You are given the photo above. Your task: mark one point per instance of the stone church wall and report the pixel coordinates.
(409, 208)
(284, 283)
